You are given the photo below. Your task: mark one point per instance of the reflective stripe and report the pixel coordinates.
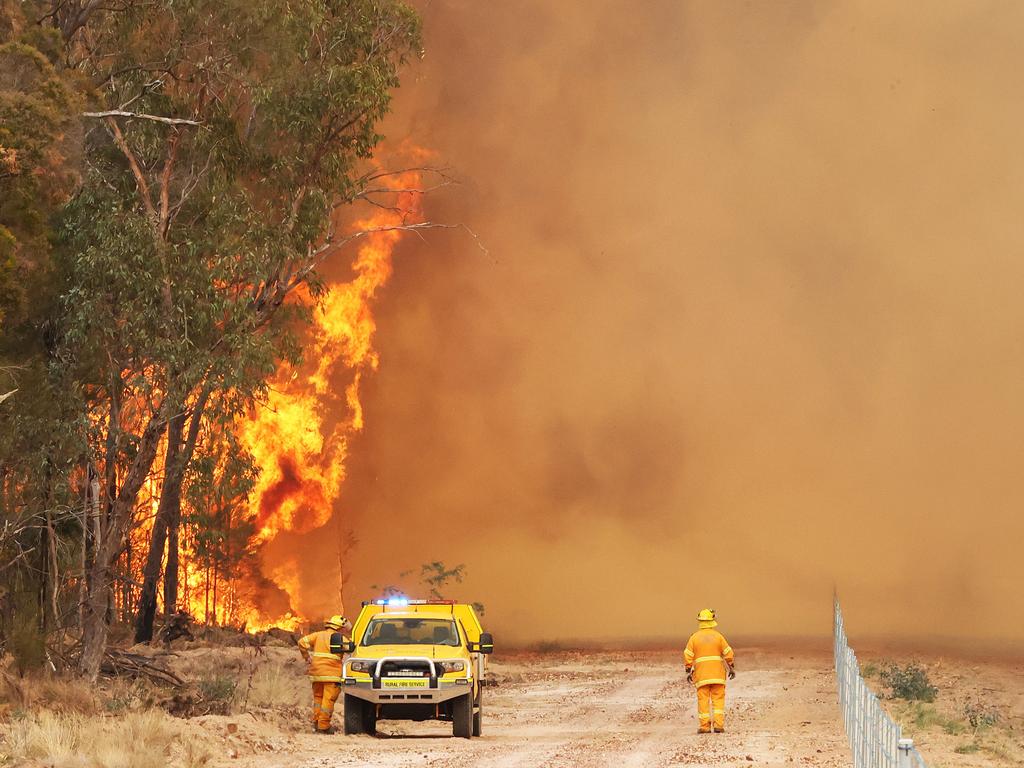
(707, 658)
(325, 678)
(702, 716)
(727, 650)
(320, 655)
(710, 682)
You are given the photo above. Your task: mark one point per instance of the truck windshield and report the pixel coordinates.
(411, 632)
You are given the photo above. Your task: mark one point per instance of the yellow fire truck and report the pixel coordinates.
(416, 660)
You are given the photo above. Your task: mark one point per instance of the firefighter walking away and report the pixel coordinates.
(709, 660)
(323, 651)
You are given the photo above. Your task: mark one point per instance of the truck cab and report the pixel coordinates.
(416, 660)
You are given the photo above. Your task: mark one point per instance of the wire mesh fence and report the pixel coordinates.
(875, 740)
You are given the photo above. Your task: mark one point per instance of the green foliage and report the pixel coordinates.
(909, 682)
(218, 692)
(953, 727)
(144, 261)
(222, 528)
(924, 715)
(36, 107)
(436, 576)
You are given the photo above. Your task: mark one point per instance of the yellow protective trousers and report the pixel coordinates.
(324, 696)
(711, 707)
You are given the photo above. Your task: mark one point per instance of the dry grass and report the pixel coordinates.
(206, 663)
(275, 686)
(136, 740)
(54, 694)
(64, 722)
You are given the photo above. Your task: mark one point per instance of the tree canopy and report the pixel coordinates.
(169, 176)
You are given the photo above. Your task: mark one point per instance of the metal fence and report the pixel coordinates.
(875, 740)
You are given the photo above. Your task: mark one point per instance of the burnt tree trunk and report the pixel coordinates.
(180, 448)
(157, 541)
(171, 572)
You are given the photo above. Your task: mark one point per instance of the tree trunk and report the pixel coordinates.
(158, 539)
(171, 571)
(109, 537)
(180, 449)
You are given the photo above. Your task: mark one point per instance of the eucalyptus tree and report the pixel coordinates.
(38, 103)
(220, 137)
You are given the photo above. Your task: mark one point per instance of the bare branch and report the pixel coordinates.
(142, 116)
(328, 248)
(165, 184)
(4, 397)
(140, 178)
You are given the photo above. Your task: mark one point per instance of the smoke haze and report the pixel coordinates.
(749, 325)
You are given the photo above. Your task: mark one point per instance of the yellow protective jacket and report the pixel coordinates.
(324, 666)
(706, 653)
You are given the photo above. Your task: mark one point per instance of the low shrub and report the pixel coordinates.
(910, 682)
(218, 693)
(980, 714)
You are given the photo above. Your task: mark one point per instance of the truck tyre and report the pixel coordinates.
(478, 714)
(462, 716)
(369, 718)
(354, 715)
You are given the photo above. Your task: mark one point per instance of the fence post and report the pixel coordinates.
(903, 750)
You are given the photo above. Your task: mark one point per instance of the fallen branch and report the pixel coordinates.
(122, 663)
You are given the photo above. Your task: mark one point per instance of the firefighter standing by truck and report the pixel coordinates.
(323, 652)
(709, 660)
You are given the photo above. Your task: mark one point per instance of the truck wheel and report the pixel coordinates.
(354, 721)
(462, 716)
(369, 718)
(478, 714)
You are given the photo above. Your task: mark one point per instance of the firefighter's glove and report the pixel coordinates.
(732, 673)
(689, 675)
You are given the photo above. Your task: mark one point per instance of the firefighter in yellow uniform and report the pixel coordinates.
(709, 659)
(322, 651)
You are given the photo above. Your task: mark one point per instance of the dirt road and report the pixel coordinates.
(611, 709)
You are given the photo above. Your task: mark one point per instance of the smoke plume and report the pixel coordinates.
(747, 328)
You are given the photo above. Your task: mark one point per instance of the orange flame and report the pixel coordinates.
(300, 438)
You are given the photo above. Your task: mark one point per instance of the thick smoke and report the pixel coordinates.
(748, 327)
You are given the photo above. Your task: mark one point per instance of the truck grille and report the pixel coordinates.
(404, 669)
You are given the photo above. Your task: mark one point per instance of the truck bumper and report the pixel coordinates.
(363, 689)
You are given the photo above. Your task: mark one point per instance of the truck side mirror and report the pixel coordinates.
(340, 645)
(486, 642)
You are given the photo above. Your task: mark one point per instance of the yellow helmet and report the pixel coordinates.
(706, 618)
(336, 622)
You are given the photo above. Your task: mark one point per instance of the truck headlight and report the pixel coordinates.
(452, 666)
(362, 666)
